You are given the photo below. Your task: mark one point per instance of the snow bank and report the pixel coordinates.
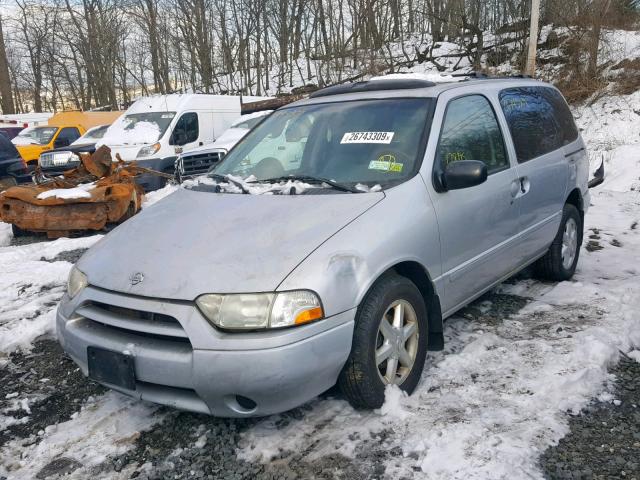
(81, 191)
(5, 234)
(106, 425)
(30, 289)
(157, 195)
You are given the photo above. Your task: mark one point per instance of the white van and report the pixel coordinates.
(157, 128)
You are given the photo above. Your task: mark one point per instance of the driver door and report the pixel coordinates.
(478, 225)
(186, 132)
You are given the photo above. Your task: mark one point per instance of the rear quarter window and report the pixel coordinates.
(539, 120)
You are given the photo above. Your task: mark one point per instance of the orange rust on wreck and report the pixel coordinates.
(113, 198)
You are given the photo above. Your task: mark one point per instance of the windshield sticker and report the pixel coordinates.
(385, 166)
(367, 137)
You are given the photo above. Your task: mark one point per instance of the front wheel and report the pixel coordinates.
(559, 263)
(389, 342)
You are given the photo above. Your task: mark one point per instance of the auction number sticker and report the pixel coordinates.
(367, 137)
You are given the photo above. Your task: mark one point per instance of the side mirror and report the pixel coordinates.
(61, 142)
(464, 174)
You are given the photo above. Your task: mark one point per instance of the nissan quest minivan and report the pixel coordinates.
(334, 259)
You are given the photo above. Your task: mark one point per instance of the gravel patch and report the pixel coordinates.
(604, 443)
(41, 388)
(71, 256)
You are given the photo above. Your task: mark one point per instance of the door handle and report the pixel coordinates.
(519, 187)
(514, 189)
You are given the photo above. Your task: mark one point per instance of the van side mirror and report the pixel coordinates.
(464, 174)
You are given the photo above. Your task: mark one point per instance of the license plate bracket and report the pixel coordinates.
(113, 368)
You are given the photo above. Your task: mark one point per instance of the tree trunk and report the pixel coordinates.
(5, 80)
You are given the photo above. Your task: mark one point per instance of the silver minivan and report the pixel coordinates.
(329, 245)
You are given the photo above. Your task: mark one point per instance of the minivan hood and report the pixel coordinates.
(200, 242)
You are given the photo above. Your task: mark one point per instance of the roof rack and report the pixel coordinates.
(373, 85)
(484, 76)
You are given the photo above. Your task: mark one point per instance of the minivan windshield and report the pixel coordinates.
(35, 136)
(366, 142)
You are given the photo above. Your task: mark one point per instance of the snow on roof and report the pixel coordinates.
(249, 116)
(183, 101)
(431, 77)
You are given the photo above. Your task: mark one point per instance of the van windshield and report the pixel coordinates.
(138, 128)
(35, 136)
(366, 142)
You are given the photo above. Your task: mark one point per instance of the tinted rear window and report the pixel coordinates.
(539, 120)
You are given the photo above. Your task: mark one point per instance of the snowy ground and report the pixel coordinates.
(516, 362)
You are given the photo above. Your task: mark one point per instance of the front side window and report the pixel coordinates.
(35, 136)
(186, 129)
(470, 131)
(67, 135)
(536, 126)
(366, 141)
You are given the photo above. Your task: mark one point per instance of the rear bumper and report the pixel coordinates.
(195, 367)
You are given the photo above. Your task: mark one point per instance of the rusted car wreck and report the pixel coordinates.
(97, 193)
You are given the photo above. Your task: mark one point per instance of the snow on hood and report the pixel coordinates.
(23, 141)
(142, 133)
(81, 191)
(194, 242)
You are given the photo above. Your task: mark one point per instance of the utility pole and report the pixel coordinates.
(533, 38)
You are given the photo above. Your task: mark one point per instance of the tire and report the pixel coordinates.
(554, 265)
(361, 380)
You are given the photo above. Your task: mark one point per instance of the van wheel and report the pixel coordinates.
(559, 263)
(389, 342)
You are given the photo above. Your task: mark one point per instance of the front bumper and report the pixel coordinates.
(186, 363)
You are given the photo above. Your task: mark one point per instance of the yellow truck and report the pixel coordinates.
(61, 130)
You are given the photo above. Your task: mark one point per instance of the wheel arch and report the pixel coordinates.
(575, 198)
(420, 277)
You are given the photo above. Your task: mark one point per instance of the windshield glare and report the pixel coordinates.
(38, 135)
(367, 141)
(92, 135)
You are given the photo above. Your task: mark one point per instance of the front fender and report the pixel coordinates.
(400, 228)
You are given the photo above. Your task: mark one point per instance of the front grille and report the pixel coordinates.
(58, 159)
(140, 323)
(197, 164)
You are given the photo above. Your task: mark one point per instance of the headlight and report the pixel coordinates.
(76, 282)
(148, 150)
(251, 311)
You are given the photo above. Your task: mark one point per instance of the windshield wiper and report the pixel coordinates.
(225, 178)
(311, 179)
